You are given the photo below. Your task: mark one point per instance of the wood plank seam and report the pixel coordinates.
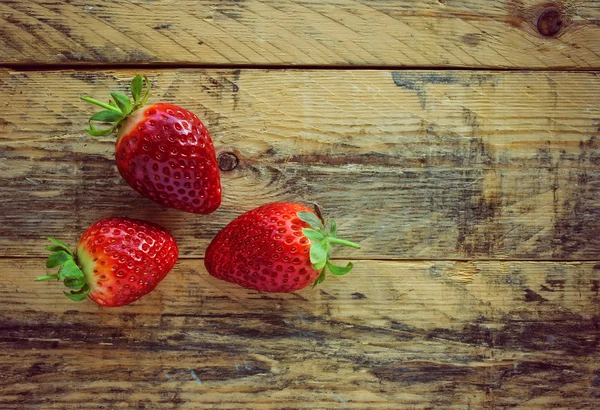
(299, 67)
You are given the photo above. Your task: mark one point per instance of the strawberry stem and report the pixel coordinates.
(101, 104)
(144, 99)
(344, 242)
(46, 277)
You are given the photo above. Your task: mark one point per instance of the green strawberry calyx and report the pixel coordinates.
(322, 236)
(69, 272)
(119, 108)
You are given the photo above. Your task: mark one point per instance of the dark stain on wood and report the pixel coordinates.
(596, 380)
(232, 9)
(58, 26)
(196, 332)
(471, 119)
(472, 39)
(595, 286)
(549, 373)
(474, 210)
(326, 295)
(39, 368)
(531, 296)
(27, 27)
(482, 377)
(236, 88)
(86, 76)
(573, 337)
(579, 220)
(221, 83)
(162, 26)
(421, 372)
(404, 327)
(299, 296)
(417, 81)
(452, 151)
(358, 295)
(556, 284)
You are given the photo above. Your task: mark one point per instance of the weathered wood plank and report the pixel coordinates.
(433, 33)
(389, 335)
(416, 164)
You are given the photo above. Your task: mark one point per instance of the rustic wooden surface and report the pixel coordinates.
(473, 192)
(474, 33)
(435, 334)
(414, 165)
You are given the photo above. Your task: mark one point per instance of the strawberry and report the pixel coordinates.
(278, 247)
(118, 260)
(163, 151)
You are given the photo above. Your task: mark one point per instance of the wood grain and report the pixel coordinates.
(473, 193)
(413, 164)
(389, 335)
(433, 33)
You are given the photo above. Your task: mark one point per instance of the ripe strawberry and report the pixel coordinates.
(118, 260)
(279, 247)
(163, 151)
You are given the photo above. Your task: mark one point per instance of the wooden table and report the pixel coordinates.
(457, 140)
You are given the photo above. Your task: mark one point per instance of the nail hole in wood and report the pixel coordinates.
(227, 161)
(549, 23)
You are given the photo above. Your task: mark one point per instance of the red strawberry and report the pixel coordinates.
(279, 247)
(163, 151)
(118, 260)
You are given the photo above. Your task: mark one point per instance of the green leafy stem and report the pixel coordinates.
(69, 272)
(119, 108)
(322, 236)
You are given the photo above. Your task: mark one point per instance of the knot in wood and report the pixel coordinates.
(550, 22)
(228, 161)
